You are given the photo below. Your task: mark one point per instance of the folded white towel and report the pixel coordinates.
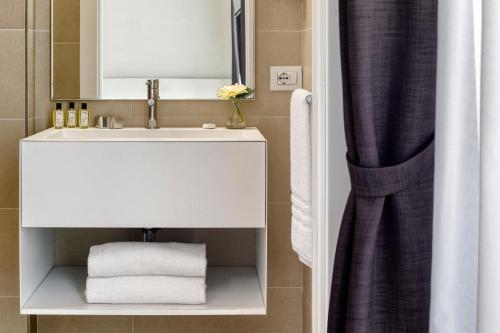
(302, 237)
(300, 145)
(301, 175)
(138, 258)
(149, 289)
(304, 207)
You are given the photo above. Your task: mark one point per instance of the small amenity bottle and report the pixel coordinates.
(71, 116)
(58, 116)
(83, 116)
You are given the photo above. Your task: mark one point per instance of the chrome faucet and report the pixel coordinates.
(153, 96)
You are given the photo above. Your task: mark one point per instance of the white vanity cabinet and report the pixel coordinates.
(137, 178)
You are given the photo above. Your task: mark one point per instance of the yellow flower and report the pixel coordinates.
(232, 92)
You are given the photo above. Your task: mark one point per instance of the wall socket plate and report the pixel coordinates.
(285, 78)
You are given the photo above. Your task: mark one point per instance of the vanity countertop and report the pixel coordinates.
(250, 134)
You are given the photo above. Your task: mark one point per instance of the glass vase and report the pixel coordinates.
(236, 118)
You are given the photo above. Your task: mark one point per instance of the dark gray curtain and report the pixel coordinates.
(381, 280)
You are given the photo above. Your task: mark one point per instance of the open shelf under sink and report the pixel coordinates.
(231, 291)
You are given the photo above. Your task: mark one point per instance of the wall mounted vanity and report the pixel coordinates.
(135, 178)
(138, 178)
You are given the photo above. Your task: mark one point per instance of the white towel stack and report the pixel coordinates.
(133, 272)
(301, 175)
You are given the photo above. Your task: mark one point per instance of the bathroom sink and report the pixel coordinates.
(135, 178)
(142, 134)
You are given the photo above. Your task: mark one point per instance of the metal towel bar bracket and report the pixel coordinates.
(309, 99)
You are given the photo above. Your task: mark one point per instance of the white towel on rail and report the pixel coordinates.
(149, 289)
(139, 258)
(301, 175)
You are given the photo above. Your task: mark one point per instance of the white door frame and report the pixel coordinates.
(331, 183)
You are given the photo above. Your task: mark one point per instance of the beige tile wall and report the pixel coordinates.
(307, 68)
(66, 70)
(280, 36)
(66, 48)
(12, 108)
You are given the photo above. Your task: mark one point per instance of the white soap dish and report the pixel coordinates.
(209, 126)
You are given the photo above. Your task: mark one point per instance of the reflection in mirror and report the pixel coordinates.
(107, 49)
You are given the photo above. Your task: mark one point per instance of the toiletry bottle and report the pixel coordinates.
(58, 116)
(71, 116)
(83, 116)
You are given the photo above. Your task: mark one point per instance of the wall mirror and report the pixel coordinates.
(107, 49)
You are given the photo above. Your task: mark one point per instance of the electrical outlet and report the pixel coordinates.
(285, 77)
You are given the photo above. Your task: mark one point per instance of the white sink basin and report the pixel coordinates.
(142, 134)
(134, 177)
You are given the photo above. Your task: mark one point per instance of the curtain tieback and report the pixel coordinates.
(380, 182)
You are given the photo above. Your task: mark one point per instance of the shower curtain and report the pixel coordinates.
(456, 194)
(382, 270)
(466, 260)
